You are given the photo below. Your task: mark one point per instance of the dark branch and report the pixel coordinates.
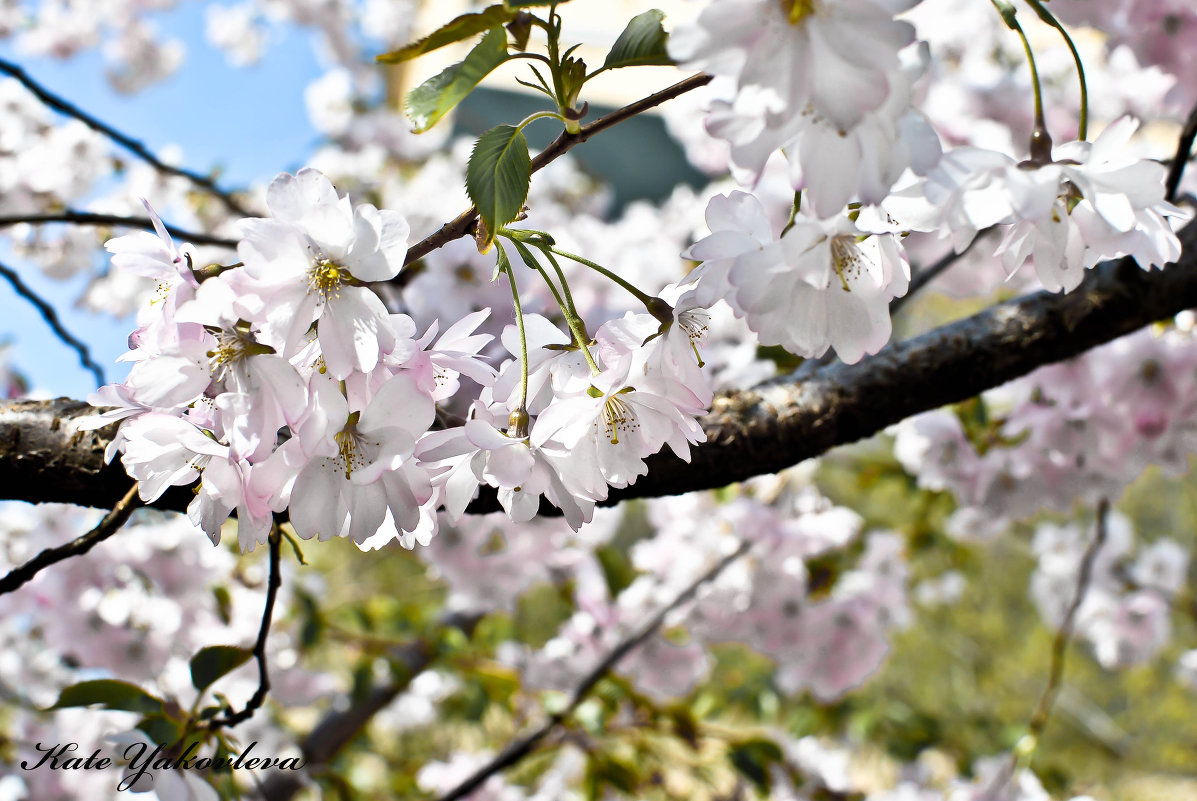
(464, 222)
(1184, 151)
(132, 145)
(1059, 654)
(91, 218)
(111, 524)
(341, 726)
(259, 696)
(1060, 644)
(928, 274)
(51, 317)
(521, 747)
(43, 457)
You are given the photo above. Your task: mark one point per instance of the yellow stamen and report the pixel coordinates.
(797, 10)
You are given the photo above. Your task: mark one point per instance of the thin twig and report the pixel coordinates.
(259, 696)
(461, 225)
(1059, 653)
(91, 218)
(1184, 150)
(111, 524)
(51, 318)
(521, 747)
(132, 145)
(928, 274)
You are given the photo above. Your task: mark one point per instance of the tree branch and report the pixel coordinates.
(460, 226)
(522, 746)
(111, 524)
(44, 457)
(1184, 151)
(341, 726)
(1059, 653)
(127, 142)
(90, 218)
(51, 317)
(259, 697)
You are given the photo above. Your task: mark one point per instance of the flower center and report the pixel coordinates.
(352, 451)
(618, 416)
(797, 10)
(846, 258)
(695, 322)
(325, 278)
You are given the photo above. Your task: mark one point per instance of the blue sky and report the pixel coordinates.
(250, 122)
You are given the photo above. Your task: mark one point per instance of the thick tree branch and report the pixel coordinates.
(91, 218)
(44, 457)
(124, 140)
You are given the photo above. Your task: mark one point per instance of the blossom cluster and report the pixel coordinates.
(1078, 430)
(138, 607)
(1126, 610)
(286, 385)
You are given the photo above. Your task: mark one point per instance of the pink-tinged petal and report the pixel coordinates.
(273, 251)
(739, 211)
(367, 510)
(830, 164)
(1111, 144)
(484, 435)
(399, 403)
(350, 331)
(380, 245)
(331, 229)
(291, 197)
(315, 507)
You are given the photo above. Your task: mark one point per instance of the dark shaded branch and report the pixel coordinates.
(521, 747)
(1059, 652)
(340, 727)
(928, 274)
(51, 317)
(91, 218)
(259, 697)
(43, 457)
(1184, 151)
(111, 524)
(462, 224)
(127, 142)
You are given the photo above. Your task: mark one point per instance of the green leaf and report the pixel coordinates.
(111, 694)
(752, 759)
(434, 98)
(618, 569)
(214, 661)
(530, 3)
(641, 43)
(460, 28)
(498, 175)
(161, 729)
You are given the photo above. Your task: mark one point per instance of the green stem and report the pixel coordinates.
(643, 297)
(571, 315)
(1049, 18)
(539, 115)
(1041, 141)
(793, 212)
(566, 303)
(519, 324)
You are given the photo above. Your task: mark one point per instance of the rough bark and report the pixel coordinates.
(43, 457)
